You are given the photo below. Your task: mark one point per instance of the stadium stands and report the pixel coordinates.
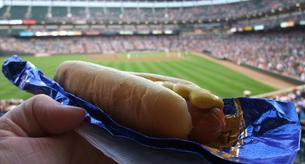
(273, 21)
(246, 9)
(39, 13)
(281, 52)
(200, 28)
(16, 12)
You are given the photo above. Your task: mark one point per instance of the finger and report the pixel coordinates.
(41, 115)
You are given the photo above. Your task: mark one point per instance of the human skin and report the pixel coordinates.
(40, 130)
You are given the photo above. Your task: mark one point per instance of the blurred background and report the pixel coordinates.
(234, 48)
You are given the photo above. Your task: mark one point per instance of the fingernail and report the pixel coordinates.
(70, 107)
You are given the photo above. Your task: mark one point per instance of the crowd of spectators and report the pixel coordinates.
(136, 14)
(104, 45)
(280, 52)
(273, 21)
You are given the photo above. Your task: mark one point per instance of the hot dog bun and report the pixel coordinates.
(206, 109)
(131, 100)
(155, 77)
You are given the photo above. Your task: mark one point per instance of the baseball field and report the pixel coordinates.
(219, 79)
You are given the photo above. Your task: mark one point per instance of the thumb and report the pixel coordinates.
(41, 115)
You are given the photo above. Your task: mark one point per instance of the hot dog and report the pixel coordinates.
(208, 119)
(153, 106)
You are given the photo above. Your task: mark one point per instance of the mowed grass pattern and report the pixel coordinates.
(220, 80)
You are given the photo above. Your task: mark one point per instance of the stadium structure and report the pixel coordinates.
(265, 36)
(183, 19)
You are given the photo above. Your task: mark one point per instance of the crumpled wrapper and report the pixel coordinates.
(257, 130)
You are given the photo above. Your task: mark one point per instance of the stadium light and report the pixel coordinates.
(62, 33)
(38, 34)
(54, 33)
(297, 5)
(233, 30)
(259, 27)
(126, 32)
(287, 24)
(15, 22)
(284, 25)
(143, 32)
(168, 32)
(80, 22)
(4, 22)
(156, 32)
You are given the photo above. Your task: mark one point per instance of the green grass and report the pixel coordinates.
(220, 80)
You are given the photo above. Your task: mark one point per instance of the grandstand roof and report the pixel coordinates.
(116, 3)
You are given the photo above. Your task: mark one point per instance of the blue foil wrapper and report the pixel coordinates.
(272, 129)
